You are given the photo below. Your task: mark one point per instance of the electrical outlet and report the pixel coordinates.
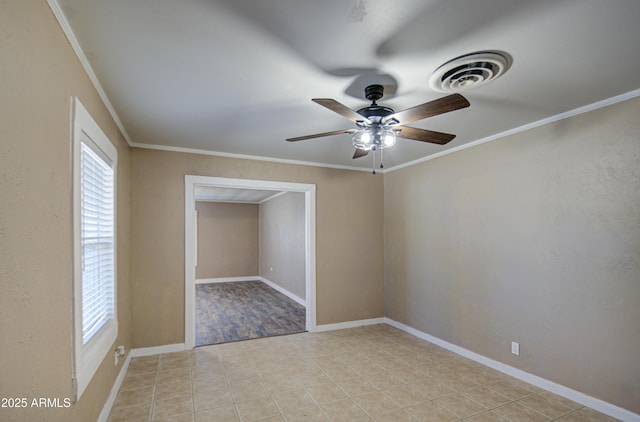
(515, 348)
(118, 353)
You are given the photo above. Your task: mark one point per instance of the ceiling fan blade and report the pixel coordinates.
(424, 135)
(360, 153)
(432, 108)
(341, 109)
(320, 135)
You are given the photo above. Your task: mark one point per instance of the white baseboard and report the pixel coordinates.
(348, 324)
(158, 350)
(226, 279)
(106, 409)
(576, 396)
(283, 291)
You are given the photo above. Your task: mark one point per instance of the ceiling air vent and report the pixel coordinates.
(470, 71)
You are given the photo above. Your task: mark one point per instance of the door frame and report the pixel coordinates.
(190, 239)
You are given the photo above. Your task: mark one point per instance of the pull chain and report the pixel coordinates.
(374, 161)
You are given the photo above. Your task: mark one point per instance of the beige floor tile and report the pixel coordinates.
(132, 381)
(405, 395)
(273, 419)
(486, 417)
(409, 375)
(288, 401)
(280, 383)
(169, 407)
(174, 374)
(486, 397)
(174, 364)
(209, 399)
(138, 396)
(383, 380)
(130, 414)
(376, 403)
(395, 416)
(310, 414)
(366, 373)
(430, 412)
(460, 405)
(515, 412)
(185, 417)
(326, 393)
(432, 389)
(356, 386)
(254, 410)
(550, 405)
(586, 415)
(313, 377)
(173, 387)
(510, 390)
(250, 390)
(142, 365)
(220, 414)
(457, 382)
(204, 382)
(343, 411)
(340, 372)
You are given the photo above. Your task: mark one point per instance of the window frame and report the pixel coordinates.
(88, 357)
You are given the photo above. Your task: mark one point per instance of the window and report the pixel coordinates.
(95, 312)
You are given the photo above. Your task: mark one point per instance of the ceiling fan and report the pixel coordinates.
(378, 126)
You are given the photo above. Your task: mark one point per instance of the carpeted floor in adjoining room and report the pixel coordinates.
(244, 310)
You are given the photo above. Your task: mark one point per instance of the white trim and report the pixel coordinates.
(576, 111)
(592, 402)
(191, 182)
(66, 28)
(87, 358)
(245, 157)
(226, 279)
(158, 350)
(349, 324)
(106, 409)
(284, 291)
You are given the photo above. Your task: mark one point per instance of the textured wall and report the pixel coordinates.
(227, 240)
(38, 75)
(282, 242)
(347, 289)
(534, 238)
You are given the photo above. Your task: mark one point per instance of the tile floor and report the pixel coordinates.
(374, 373)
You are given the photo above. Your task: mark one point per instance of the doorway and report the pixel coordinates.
(235, 188)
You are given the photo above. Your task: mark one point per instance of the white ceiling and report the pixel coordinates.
(237, 76)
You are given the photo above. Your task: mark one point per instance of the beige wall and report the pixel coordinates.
(282, 242)
(227, 240)
(38, 75)
(347, 289)
(534, 238)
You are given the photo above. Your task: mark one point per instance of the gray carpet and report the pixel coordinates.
(244, 310)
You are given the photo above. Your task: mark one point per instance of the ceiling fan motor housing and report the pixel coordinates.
(374, 92)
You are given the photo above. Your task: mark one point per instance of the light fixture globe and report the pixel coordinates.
(374, 138)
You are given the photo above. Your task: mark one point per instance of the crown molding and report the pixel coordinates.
(66, 28)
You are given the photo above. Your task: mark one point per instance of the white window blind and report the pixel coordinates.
(97, 240)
